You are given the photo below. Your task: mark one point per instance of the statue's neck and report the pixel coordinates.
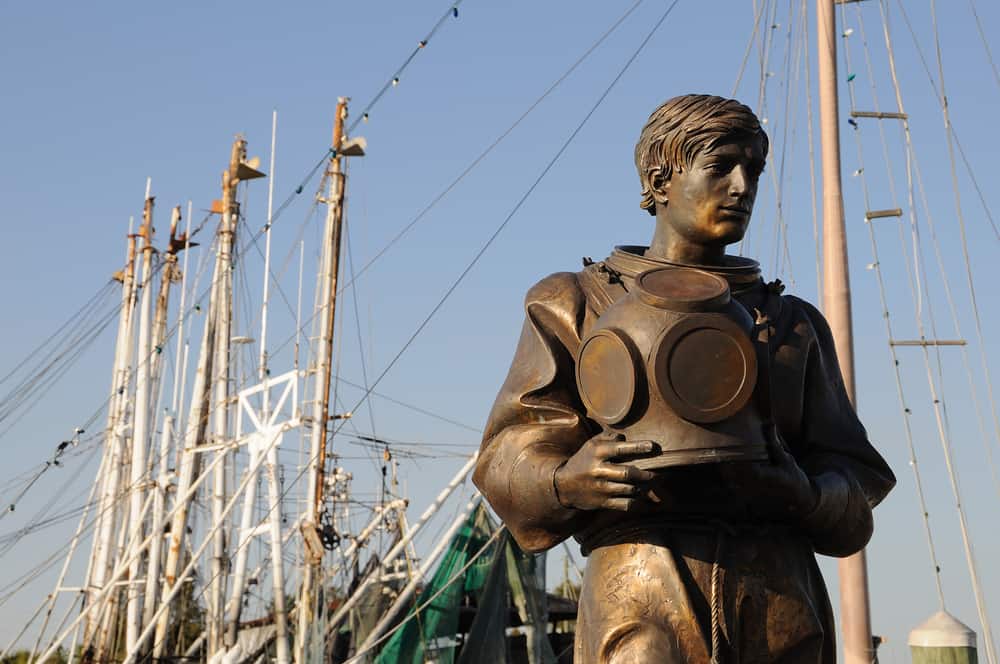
(667, 244)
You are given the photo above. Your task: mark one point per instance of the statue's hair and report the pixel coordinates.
(683, 126)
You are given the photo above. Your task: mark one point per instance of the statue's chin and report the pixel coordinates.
(728, 231)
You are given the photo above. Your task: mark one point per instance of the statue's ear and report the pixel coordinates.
(659, 185)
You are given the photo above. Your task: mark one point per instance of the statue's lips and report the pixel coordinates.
(734, 209)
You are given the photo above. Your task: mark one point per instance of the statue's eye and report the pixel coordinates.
(718, 168)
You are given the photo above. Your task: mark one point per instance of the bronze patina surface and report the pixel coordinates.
(672, 362)
(680, 358)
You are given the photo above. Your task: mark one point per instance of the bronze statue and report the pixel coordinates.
(686, 423)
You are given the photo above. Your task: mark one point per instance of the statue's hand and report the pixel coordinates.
(590, 481)
(777, 489)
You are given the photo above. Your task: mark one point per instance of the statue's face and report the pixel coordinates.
(710, 201)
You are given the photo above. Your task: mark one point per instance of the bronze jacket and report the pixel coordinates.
(538, 422)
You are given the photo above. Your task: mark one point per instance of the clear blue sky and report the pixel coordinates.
(99, 97)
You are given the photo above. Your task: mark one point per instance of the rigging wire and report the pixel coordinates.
(952, 475)
(954, 132)
(746, 53)
(496, 142)
(503, 224)
(778, 178)
(939, 409)
(357, 315)
(101, 293)
(915, 290)
(812, 149)
(883, 299)
(416, 409)
(452, 11)
(369, 391)
(473, 164)
(986, 43)
(489, 242)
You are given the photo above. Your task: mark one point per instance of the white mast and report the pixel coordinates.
(140, 428)
(113, 509)
(112, 451)
(309, 591)
(220, 405)
(267, 255)
(212, 363)
(167, 276)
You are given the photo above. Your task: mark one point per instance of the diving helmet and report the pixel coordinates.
(673, 362)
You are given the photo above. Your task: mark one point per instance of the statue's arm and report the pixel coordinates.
(537, 421)
(849, 475)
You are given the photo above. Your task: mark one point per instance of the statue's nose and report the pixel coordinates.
(737, 181)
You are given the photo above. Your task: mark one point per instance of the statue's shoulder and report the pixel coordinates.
(560, 290)
(807, 313)
(808, 323)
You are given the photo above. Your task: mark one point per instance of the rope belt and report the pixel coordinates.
(717, 616)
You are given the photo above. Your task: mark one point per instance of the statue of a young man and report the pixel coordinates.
(693, 562)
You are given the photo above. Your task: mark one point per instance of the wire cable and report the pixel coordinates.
(534, 185)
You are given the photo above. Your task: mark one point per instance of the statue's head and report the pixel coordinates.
(699, 158)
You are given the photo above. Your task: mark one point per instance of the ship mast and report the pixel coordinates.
(107, 511)
(853, 570)
(309, 593)
(212, 372)
(140, 429)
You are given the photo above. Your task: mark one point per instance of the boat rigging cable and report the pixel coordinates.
(930, 78)
(499, 139)
(806, 48)
(472, 165)
(943, 98)
(883, 298)
(986, 44)
(781, 253)
(452, 11)
(920, 296)
(980, 600)
(947, 290)
(73, 320)
(746, 53)
(468, 169)
(437, 307)
(503, 224)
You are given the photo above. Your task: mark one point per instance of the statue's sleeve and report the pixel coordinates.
(850, 475)
(537, 421)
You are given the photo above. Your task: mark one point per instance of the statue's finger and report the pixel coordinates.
(620, 504)
(607, 444)
(624, 473)
(637, 448)
(611, 488)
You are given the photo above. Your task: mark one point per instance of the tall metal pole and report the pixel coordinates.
(308, 594)
(107, 615)
(140, 428)
(109, 479)
(855, 614)
(196, 425)
(220, 406)
(168, 275)
(267, 258)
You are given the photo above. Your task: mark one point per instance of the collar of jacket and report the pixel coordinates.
(742, 273)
